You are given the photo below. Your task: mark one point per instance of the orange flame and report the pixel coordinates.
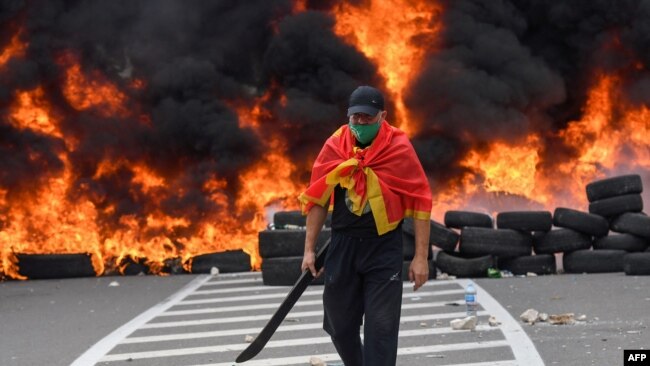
(16, 48)
(396, 41)
(611, 137)
(31, 111)
(97, 92)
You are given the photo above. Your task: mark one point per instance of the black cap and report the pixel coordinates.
(366, 99)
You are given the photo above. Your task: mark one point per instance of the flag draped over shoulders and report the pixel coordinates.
(387, 175)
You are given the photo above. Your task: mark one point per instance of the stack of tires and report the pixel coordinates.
(468, 260)
(439, 236)
(283, 246)
(618, 200)
(507, 247)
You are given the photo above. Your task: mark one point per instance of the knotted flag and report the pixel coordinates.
(387, 175)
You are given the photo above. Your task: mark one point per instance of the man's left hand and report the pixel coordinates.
(418, 272)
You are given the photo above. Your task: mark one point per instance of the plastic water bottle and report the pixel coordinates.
(470, 299)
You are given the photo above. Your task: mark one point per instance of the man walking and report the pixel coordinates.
(369, 174)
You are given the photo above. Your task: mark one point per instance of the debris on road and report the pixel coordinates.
(529, 316)
(468, 323)
(444, 276)
(315, 361)
(214, 271)
(492, 321)
(113, 284)
(249, 338)
(561, 319)
(532, 316)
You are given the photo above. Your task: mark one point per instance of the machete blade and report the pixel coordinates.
(292, 297)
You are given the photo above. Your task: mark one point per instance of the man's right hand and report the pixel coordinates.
(309, 262)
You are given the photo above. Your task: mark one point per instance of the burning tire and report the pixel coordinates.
(287, 243)
(440, 236)
(586, 223)
(461, 219)
(593, 261)
(407, 265)
(525, 220)
(636, 264)
(541, 264)
(49, 266)
(618, 205)
(632, 223)
(408, 246)
(561, 240)
(477, 241)
(626, 242)
(227, 262)
(615, 186)
(283, 271)
(459, 266)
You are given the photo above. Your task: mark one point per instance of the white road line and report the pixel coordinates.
(282, 328)
(232, 282)
(99, 349)
(401, 351)
(490, 363)
(272, 344)
(306, 293)
(522, 347)
(287, 288)
(225, 309)
(248, 318)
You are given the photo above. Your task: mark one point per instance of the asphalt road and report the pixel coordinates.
(55, 322)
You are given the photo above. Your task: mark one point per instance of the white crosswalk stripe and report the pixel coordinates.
(206, 323)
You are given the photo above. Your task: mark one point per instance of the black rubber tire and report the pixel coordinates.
(614, 186)
(542, 264)
(584, 222)
(593, 261)
(284, 271)
(636, 264)
(408, 247)
(439, 235)
(626, 242)
(561, 240)
(227, 262)
(525, 220)
(614, 206)
(407, 265)
(456, 265)
(50, 266)
(287, 243)
(295, 217)
(498, 242)
(461, 219)
(632, 223)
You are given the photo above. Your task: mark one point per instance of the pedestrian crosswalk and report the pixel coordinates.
(208, 322)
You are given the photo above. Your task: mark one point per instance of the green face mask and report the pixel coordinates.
(364, 133)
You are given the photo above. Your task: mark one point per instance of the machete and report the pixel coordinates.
(292, 297)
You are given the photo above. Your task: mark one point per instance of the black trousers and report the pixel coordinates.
(363, 278)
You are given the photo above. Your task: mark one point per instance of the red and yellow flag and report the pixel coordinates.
(387, 175)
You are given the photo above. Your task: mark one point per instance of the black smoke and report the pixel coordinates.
(500, 71)
(506, 69)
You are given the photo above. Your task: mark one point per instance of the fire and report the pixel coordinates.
(97, 92)
(16, 48)
(507, 168)
(611, 137)
(396, 35)
(31, 111)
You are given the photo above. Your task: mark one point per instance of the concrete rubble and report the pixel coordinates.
(468, 323)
